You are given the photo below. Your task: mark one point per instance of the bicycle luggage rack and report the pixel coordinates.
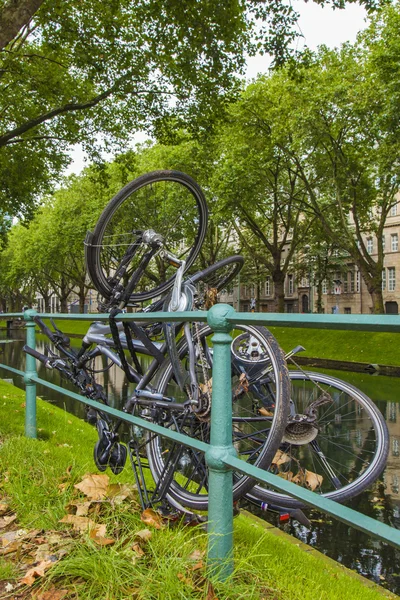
(219, 453)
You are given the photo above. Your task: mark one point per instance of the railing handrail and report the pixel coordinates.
(220, 459)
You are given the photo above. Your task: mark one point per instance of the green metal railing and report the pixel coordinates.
(220, 454)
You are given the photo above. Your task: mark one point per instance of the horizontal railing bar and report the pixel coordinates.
(347, 515)
(157, 429)
(17, 371)
(384, 323)
(198, 315)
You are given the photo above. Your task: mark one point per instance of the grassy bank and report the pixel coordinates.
(119, 556)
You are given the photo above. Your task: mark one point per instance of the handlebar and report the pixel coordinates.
(39, 356)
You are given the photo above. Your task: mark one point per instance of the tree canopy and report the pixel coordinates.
(94, 73)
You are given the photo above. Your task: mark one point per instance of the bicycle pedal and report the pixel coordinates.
(91, 416)
(117, 458)
(100, 456)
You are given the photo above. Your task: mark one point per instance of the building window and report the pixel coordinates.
(347, 310)
(383, 280)
(352, 281)
(290, 284)
(324, 287)
(268, 286)
(393, 210)
(345, 283)
(395, 242)
(370, 245)
(383, 243)
(304, 282)
(391, 279)
(358, 281)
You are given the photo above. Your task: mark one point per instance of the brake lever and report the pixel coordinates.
(64, 339)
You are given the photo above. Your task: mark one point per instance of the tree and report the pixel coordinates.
(93, 73)
(345, 149)
(259, 186)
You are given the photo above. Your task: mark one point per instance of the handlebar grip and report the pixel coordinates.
(44, 329)
(42, 357)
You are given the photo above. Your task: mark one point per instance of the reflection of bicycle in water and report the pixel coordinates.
(327, 436)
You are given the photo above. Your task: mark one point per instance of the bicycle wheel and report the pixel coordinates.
(340, 453)
(218, 275)
(259, 415)
(168, 202)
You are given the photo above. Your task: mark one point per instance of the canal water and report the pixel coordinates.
(373, 559)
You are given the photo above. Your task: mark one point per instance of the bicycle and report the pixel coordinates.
(119, 265)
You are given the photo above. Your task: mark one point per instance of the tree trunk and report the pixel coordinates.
(279, 292)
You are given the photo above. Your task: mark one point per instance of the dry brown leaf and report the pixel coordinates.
(6, 520)
(52, 594)
(150, 517)
(313, 480)
(144, 535)
(97, 534)
(184, 579)
(299, 478)
(196, 555)
(4, 508)
(280, 458)
(210, 593)
(10, 547)
(138, 550)
(94, 486)
(118, 492)
(206, 388)
(35, 572)
(197, 566)
(78, 523)
(266, 413)
(287, 475)
(80, 509)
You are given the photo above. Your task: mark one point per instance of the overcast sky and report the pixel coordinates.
(318, 26)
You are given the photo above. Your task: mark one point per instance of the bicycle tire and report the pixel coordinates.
(256, 440)
(147, 203)
(352, 435)
(218, 275)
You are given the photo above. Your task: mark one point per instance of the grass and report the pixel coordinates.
(37, 482)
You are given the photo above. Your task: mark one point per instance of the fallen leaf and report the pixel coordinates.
(97, 534)
(118, 492)
(197, 566)
(280, 457)
(313, 480)
(138, 550)
(80, 509)
(144, 534)
(94, 486)
(52, 594)
(288, 475)
(150, 517)
(299, 478)
(78, 523)
(184, 579)
(210, 593)
(6, 520)
(35, 572)
(196, 555)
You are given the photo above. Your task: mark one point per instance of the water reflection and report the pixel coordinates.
(352, 548)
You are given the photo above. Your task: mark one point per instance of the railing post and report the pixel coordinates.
(30, 370)
(220, 506)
